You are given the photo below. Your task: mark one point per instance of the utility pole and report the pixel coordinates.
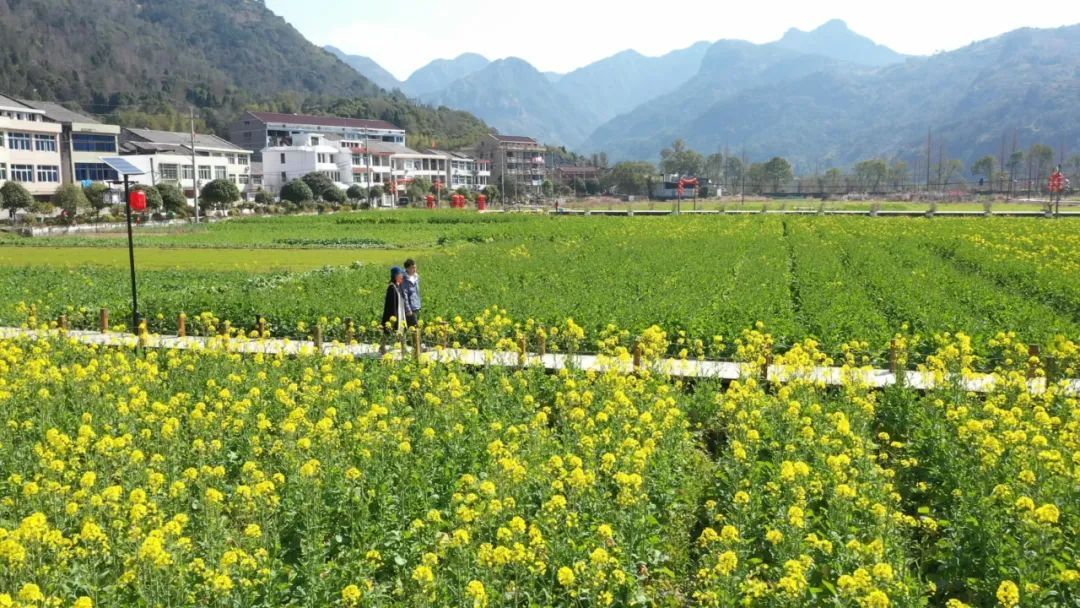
(929, 139)
(742, 180)
(194, 167)
(1001, 157)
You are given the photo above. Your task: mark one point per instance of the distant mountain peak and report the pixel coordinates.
(367, 67)
(832, 26)
(836, 40)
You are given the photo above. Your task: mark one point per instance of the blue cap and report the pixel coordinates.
(395, 271)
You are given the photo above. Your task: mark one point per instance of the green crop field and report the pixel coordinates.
(703, 279)
(145, 477)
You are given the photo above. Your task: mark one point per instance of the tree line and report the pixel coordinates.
(1021, 171)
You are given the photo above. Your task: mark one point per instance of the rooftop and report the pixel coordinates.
(323, 121)
(171, 138)
(514, 139)
(58, 113)
(15, 104)
(386, 148)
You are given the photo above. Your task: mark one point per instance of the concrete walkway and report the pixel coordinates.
(689, 368)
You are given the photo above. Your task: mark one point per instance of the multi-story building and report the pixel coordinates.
(372, 163)
(29, 148)
(410, 165)
(83, 141)
(515, 161)
(166, 158)
(310, 153)
(258, 130)
(464, 171)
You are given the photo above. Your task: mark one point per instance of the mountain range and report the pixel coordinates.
(145, 62)
(820, 97)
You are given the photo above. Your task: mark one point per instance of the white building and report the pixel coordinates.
(29, 148)
(464, 171)
(83, 141)
(166, 158)
(310, 153)
(258, 130)
(374, 164)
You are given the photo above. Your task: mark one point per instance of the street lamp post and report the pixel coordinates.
(123, 167)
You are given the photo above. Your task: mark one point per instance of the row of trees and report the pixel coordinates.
(1021, 168)
(319, 187)
(74, 200)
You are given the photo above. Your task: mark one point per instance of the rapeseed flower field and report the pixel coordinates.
(208, 478)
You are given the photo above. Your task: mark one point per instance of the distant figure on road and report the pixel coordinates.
(411, 289)
(394, 308)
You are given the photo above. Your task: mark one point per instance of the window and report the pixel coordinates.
(284, 178)
(48, 173)
(97, 172)
(22, 173)
(3, 171)
(86, 142)
(247, 135)
(19, 141)
(186, 172)
(283, 158)
(219, 172)
(45, 143)
(243, 179)
(242, 159)
(204, 173)
(169, 172)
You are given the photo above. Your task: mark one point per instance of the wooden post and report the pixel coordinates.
(223, 329)
(404, 345)
(350, 331)
(637, 353)
(62, 323)
(445, 339)
(416, 344)
(1033, 367)
(768, 362)
(103, 320)
(181, 325)
(318, 337)
(260, 326)
(522, 345)
(894, 357)
(541, 344)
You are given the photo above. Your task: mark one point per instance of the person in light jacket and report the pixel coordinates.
(395, 310)
(411, 289)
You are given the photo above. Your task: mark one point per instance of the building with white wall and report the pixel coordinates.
(83, 141)
(259, 130)
(29, 148)
(310, 153)
(166, 158)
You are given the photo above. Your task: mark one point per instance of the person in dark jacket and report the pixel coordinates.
(395, 308)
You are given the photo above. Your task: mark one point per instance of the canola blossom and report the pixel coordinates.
(209, 478)
(851, 284)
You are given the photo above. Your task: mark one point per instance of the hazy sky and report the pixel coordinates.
(561, 35)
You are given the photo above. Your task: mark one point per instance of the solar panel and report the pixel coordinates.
(122, 165)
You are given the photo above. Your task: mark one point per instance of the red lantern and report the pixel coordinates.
(481, 202)
(430, 202)
(137, 200)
